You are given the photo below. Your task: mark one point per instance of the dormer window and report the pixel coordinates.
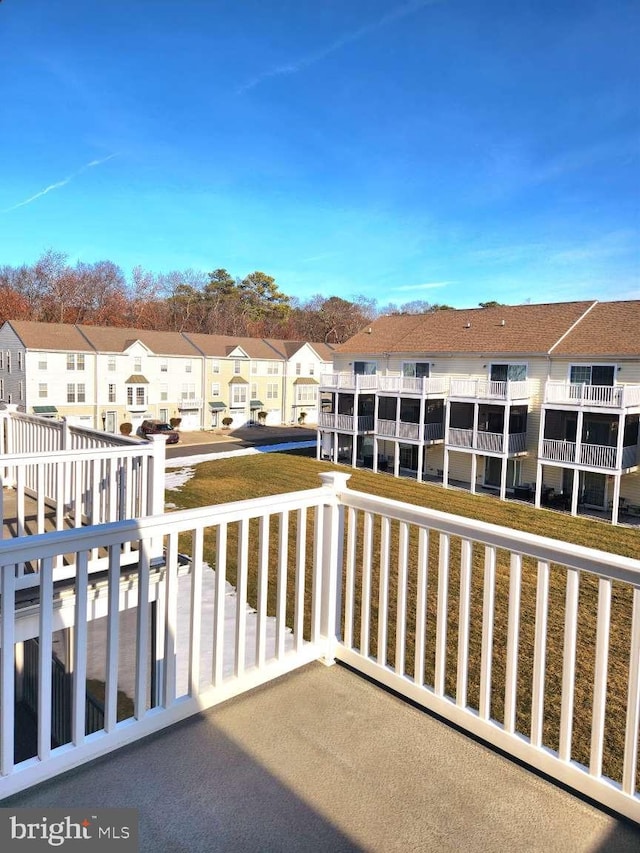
(137, 364)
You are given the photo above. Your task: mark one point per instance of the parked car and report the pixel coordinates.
(154, 427)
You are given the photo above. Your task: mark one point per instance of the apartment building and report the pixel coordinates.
(102, 377)
(535, 401)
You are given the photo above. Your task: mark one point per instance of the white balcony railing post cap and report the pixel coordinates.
(334, 480)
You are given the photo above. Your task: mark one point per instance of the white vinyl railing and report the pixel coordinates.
(336, 573)
(491, 442)
(53, 476)
(556, 450)
(458, 437)
(424, 385)
(591, 455)
(486, 389)
(613, 396)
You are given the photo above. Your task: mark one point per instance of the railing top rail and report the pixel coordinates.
(539, 547)
(136, 449)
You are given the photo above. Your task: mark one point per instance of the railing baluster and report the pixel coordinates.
(464, 615)
(633, 703)
(262, 589)
(218, 613)
(113, 632)
(45, 658)
(401, 616)
(350, 573)
(7, 674)
(569, 663)
(143, 622)
(170, 620)
(539, 654)
(365, 603)
(600, 676)
(281, 603)
(421, 605)
(383, 591)
(316, 605)
(79, 656)
(441, 624)
(299, 592)
(513, 634)
(486, 654)
(195, 625)
(241, 597)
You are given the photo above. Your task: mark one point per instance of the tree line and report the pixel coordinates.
(100, 294)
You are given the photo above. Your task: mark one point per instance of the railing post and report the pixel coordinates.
(65, 437)
(331, 551)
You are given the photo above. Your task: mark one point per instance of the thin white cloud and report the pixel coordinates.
(348, 38)
(429, 285)
(61, 183)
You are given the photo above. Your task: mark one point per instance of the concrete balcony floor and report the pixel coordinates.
(323, 760)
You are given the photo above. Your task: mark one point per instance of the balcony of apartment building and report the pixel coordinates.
(348, 413)
(141, 607)
(593, 449)
(506, 382)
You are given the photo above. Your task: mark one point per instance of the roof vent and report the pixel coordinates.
(467, 325)
(369, 330)
(502, 323)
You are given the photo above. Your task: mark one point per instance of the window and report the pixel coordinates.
(365, 368)
(254, 367)
(1, 360)
(42, 362)
(215, 389)
(188, 366)
(215, 367)
(237, 366)
(511, 372)
(75, 361)
(111, 362)
(20, 363)
(592, 374)
(111, 393)
(43, 391)
(272, 390)
(254, 391)
(8, 362)
(188, 391)
(1, 388)
(273, 368)
(76, 393)
(312, 369)
(164, 366)
(307, 393)
(298, 368)
(137, 364)
(21, 390)
(238, 395)
(416, 369)
(137, 397)
(164, 393)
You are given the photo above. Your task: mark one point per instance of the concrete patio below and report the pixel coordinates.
(323, 760)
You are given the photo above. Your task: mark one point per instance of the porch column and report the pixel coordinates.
(396, 458)
(445, 464)
(334, 448)
(538, 482)
(331, 563)
(505, 451)
(318, 444)
(474, 472)
(616, 498)
(576, 473)
(474, 437)
(503, 478)
(420, 460)
(354, 444)
(620, 442)
(375, 447)
(397, 418)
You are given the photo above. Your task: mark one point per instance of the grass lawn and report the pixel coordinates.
(245, 477)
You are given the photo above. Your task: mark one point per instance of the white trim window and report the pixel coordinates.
(272, 390)
(215, 366)
(365, 368)
(215, 389)
(75, 361)
(416, 369)
(164, 366)
(307, 394)
(137, 364)
(42, 361)
(164, 393)
(188, 366)
(238, 394)
(592, 374)
(111, 363)
(76, 392)
(111, 393)
(273, 368)
(501, 372)
(43, 390)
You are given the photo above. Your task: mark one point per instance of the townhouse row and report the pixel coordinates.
(541, 402)
(103, 377)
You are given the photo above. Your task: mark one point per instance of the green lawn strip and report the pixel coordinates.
(240, 478)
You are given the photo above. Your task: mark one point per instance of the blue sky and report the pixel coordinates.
(448, 151)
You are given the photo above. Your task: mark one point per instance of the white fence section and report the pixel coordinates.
(612, 396)
(589, 455)
(54, 475)
(423, 386)
(460, 616)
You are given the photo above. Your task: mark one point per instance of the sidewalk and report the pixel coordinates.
(248, 435)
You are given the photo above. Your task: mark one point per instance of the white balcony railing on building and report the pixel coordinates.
(589, 455)
(486, 389)
(424, 386)
(612, 396)
(355, 577)
(490, 442)
(433, 432)
(189, 403)
(385, 427)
